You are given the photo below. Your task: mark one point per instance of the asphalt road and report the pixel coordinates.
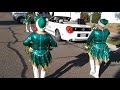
(69, 59)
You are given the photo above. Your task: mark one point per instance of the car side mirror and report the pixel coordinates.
(61, 21)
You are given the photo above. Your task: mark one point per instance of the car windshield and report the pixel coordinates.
(59, 19)
(65, 19)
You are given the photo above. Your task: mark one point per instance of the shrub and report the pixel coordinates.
(96, 16)
(118, 25)
(85, 16)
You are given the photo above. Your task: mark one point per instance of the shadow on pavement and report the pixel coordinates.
(117, 59)
(8, 23)
(118, 45)
(81, 60)
(114, 57)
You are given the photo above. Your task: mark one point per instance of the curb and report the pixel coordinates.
(112, 47)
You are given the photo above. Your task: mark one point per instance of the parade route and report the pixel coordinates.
(70, 60)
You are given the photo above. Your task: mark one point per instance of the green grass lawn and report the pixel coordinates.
(113, 41)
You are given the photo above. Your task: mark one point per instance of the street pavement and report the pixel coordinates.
(70, 60)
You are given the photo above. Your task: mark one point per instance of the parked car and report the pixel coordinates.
(45, 14)
(64, 29)
(19, 16)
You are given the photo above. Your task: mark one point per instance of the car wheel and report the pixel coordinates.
(21, 20)
(57, 36)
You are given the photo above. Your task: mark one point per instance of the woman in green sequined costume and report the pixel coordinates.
(36, 16)
(40, 42)
(97, 47)
(28, 21)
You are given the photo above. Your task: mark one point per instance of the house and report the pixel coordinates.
(113, 17)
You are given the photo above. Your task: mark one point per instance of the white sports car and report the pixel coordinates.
(63, 29)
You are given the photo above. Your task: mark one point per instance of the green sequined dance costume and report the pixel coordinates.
(40, 44)
(97, 44)
(28, 18)
(36, 17)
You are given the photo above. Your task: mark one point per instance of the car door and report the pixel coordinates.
(50, 25)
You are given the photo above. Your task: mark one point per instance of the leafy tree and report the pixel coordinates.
(96, 16)
(85, 16)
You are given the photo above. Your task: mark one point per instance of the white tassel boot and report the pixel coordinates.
(27, 29)
(31, 29)
(92, 66)
(96, 74)
(36, 72)
(43, 73)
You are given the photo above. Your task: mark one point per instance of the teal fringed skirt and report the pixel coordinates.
(99, 51)
(27, 20)
(41, 58)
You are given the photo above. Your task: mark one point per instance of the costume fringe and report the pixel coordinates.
(41, 60)
(45, 66)
(99, 53)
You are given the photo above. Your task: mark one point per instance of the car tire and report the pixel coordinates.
(58, 36)
(21, 20)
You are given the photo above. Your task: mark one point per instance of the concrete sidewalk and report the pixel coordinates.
(114, 36)
(112, 47)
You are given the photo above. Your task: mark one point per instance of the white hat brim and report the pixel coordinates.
(38, 26)
(99, 23)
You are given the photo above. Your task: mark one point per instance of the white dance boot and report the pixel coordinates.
(43, 72)
(96, 74)
(31, 29)
(36, 72)
(27, 29)
(92, 66)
